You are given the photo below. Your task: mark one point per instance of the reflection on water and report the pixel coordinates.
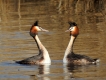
(67, 71)
(16, 18)
(75, 72)
(44, 70)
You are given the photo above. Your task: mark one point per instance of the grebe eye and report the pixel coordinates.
(71, 28)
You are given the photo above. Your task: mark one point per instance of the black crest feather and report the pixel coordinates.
(36, 23)
(72, 24)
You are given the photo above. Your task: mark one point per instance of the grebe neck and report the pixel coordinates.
(39, 44)
(42, 50)
(69, 48)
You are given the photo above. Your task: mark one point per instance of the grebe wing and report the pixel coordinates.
(31, 60)
(74, 56)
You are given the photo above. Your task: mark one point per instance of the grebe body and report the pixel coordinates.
(43, 56)
(70, 56)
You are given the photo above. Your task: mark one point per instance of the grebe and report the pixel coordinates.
(43, 56)
(70, 56)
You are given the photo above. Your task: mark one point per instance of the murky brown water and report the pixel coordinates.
(16, 18)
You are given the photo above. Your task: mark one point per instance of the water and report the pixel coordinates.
(16, 18)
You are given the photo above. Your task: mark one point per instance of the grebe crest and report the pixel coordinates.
(74, 31)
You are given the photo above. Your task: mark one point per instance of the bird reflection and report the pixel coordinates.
(69, 70)
(44, 70)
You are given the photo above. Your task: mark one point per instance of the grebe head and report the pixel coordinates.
(74, 31)
(35, 29)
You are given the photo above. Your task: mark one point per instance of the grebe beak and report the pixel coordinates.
(70, 29)
(67, 30)
(44, 29)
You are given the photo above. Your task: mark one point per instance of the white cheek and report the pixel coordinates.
(72, 28)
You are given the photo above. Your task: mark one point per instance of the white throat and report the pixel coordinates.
(69, 49)
(44, 51)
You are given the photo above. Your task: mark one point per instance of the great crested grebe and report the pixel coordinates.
(43, 56)
(70, 56)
